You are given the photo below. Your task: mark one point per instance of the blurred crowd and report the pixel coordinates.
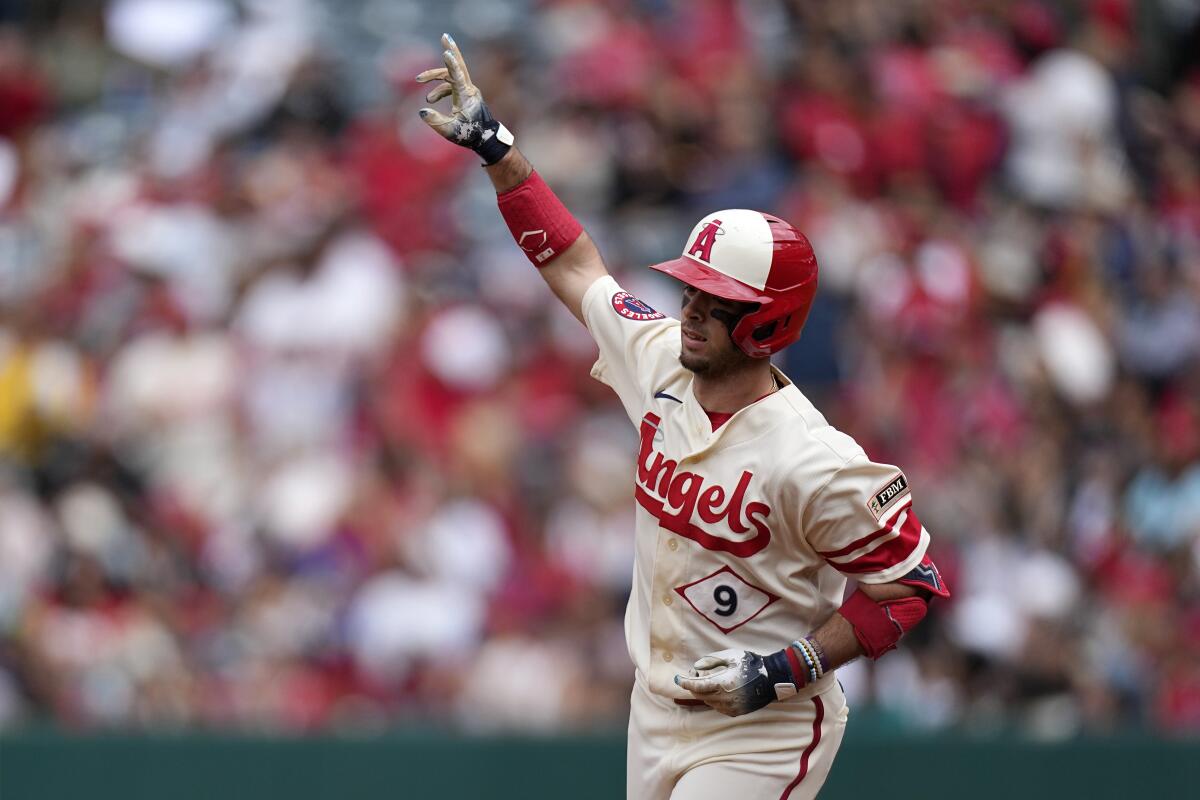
(292, 437)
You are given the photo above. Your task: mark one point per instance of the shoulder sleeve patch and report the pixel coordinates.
(630, 307)
(888, 494)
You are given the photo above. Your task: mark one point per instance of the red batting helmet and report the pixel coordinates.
(752, 257)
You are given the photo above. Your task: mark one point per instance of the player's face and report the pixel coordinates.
(705, 346)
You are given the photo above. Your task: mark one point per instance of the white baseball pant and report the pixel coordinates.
(782, 751)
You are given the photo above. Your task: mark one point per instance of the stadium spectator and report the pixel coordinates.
(288, 439)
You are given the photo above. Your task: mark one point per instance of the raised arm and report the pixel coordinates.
(550, 237)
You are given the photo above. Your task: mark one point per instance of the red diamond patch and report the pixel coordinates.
(726, 599)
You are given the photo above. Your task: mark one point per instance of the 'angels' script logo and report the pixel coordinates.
(674, 496)
(702, 247)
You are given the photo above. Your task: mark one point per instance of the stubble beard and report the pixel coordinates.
(696, 365)
(710, 367)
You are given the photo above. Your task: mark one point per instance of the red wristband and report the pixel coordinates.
(798, 670)
(538, 220)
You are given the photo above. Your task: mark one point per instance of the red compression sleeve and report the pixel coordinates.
(538, 220)
(878, 626)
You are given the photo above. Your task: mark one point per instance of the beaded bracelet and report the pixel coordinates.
(818, 673)
(819, 652)
(809, 660)
(812, 658)
(816, 661)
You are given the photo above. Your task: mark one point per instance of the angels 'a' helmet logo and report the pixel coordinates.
(702, 247)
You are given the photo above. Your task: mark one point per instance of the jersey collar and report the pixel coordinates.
(751, 422)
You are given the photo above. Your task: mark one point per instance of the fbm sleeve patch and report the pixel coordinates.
(863, 523)
(883, 499)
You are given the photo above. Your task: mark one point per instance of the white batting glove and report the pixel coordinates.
(469, 123)
(736, 682)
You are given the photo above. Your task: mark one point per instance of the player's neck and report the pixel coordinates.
(733, 391)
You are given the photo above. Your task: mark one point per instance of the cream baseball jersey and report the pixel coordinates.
(745, 535)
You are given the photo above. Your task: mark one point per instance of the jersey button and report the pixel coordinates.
(667, 600)
(673, 544)
(668, 656)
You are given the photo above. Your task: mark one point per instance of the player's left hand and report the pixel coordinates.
(736, 682)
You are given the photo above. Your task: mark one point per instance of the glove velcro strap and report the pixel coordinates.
(497, 141)
(781, 672)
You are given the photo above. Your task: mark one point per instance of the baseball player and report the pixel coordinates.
(751, 510)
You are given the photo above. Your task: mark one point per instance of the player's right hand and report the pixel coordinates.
(469, 123)
(736, 682)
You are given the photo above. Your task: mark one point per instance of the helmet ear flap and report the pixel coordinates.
(746, 336)
(731, 319)
(763, 332)
(758, 338)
